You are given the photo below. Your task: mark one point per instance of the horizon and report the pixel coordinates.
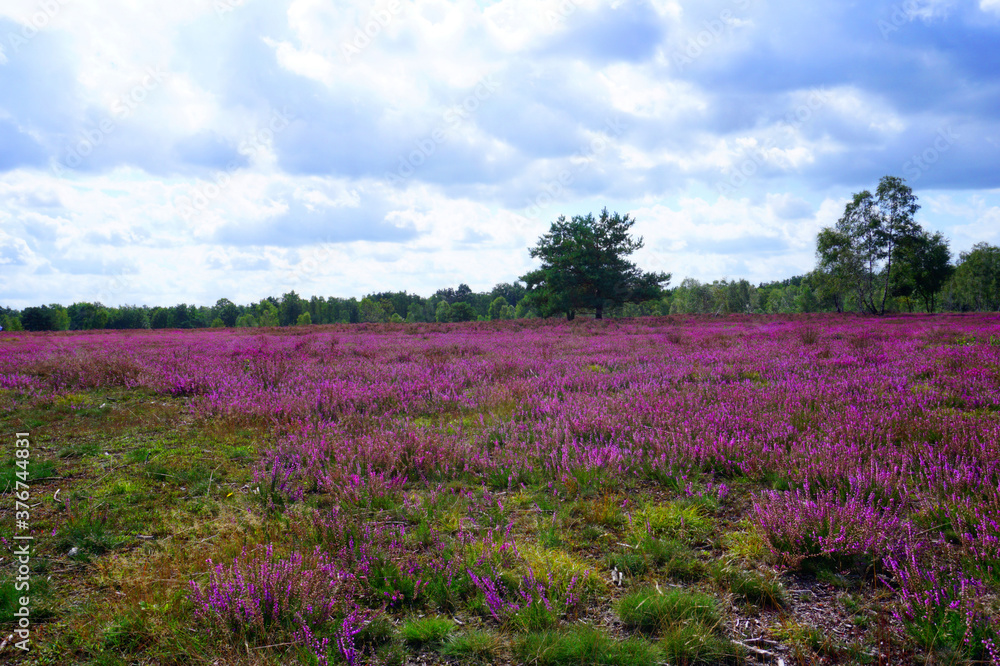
(241, 149)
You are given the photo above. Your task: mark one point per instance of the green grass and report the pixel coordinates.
(694, 643)
(427, 630)
(36, 469)
(750, 586)
(651, 610)
(585, 646)
(669, 557)
(474, 645)
(688, 522)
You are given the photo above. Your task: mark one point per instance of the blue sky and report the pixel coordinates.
(186, 151)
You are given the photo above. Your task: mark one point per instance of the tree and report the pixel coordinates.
(863, 247)
(976, 283)
(87, 316)
(227, 311)
(462, 311)
(925, 266)
(290, 309)
(370, 310)
(304, 319)
(45, 318)
(10, 322)
(497, 308)
(584, 266)
(129, 317)
(160, 318)
(268, 314)
(179, 317)
(443, 312)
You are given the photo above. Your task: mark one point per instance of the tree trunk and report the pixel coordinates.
(599, 312)
(569, 315)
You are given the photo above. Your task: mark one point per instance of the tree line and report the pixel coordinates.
(876, 259)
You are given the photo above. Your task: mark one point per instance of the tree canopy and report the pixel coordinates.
(863, 251)
(584, 267)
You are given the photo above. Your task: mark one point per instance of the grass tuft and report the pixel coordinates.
(651, 610)
(585, 646)
(427, 630)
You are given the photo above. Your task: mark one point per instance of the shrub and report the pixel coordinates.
(264, 599)
(809, 335)
(799, 526)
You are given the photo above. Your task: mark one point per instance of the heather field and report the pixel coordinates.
(816, 489)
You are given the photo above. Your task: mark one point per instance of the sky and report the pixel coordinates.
(185, 151)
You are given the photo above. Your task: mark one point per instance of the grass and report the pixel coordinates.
(427, 630)
(687, 522)
(670, 557)
(750, 586)
(473, 645)
(694, 643)
(585, 646)
(150, 464)
(651, 609)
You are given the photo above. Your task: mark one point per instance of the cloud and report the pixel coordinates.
(303, 224)
(449, 135)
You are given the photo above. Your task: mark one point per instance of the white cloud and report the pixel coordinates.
(990, 5)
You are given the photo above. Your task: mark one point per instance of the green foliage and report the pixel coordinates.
(694, 643)
(227, 311)
(304, 319)
(750, 586)
(9, 322)
(290, 308)
(462, 311)
(536, 616)
(650, 609)
(268, 314)
(585, 646)
(475, 644)
(442, 313)
(584, 266)
(498, 308)
(669, 556)
(976, 281)
(674, 520)
(218, 323)
(45, 318)
(924, 268)
(427, 630)
(865, 249)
